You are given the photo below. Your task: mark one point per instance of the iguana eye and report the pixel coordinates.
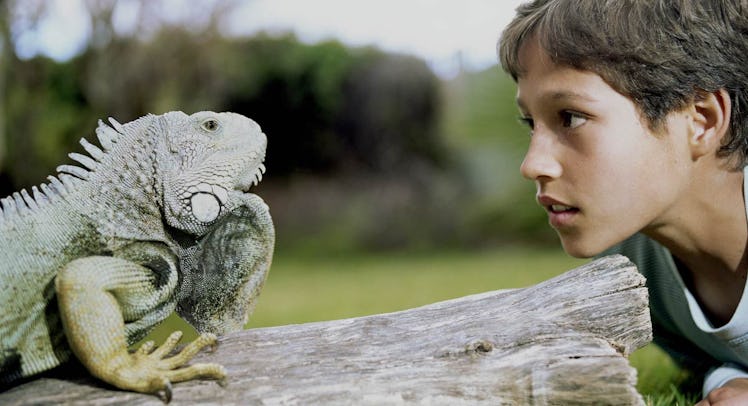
(210, 125)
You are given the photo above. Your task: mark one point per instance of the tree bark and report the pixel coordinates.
(561, 342)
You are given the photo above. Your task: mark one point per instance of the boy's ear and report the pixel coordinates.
(711, 122)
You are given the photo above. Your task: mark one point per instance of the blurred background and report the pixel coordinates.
(390, 126)
(394, 145)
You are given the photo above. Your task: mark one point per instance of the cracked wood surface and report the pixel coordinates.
(563, 341)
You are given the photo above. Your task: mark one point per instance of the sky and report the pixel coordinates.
(445, 33)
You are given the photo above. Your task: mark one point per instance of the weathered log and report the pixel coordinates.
(563, 341)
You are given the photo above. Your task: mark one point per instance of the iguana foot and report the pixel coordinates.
(152, 370)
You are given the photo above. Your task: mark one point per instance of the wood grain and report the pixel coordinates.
(561, 342)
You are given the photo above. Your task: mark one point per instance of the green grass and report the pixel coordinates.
(304, 288)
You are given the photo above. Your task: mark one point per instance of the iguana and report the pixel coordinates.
(158, 219)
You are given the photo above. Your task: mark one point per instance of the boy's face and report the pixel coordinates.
(600, 173)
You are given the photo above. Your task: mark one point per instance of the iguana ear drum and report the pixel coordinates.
(205, 207)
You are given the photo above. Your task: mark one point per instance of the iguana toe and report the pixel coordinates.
(150, 370)
(146, 348)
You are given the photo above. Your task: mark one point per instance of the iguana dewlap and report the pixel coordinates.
(156, 220)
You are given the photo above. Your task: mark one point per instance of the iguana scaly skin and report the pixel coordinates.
(157, 220)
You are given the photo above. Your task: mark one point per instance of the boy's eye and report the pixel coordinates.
(572, 120)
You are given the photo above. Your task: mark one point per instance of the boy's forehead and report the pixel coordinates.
(543, 79)
(532, 54)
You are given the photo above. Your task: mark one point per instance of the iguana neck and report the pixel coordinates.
(124, 187)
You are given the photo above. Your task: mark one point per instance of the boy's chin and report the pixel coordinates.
(581, 247)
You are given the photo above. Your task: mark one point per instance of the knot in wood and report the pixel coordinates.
(479, 347)
(472, 349)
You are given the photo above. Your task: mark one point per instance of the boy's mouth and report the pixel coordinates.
(560, 214)
(560, 208)
(553, 205)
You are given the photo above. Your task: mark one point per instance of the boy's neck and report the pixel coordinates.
(708, 235)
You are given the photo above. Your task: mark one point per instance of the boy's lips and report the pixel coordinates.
(551, 204)
(560, 214)
(559, 207)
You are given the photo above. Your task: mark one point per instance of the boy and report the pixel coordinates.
(639, 140)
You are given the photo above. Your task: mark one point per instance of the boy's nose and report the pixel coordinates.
(540, 161)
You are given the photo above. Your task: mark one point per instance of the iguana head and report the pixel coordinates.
(212, 159)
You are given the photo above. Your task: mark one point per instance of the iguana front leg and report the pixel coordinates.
(96, 295)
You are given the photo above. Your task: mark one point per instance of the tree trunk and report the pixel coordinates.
(564, 341)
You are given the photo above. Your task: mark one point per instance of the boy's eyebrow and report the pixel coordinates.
(560, 95)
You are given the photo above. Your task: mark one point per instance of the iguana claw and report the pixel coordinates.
(167, 392)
